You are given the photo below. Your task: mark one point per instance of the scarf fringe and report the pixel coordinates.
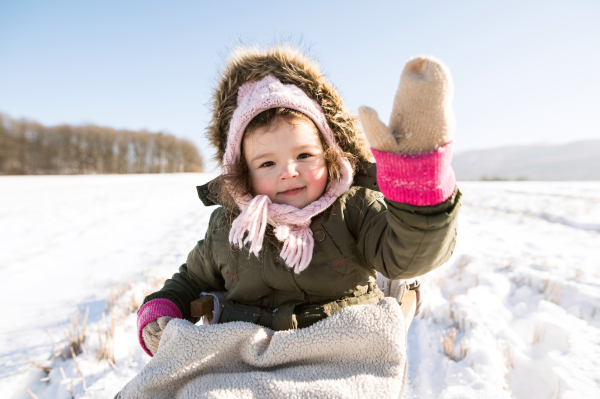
(297, 247)
(253, 220)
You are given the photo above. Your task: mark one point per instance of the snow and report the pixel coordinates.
(527, 264)
(522, 289)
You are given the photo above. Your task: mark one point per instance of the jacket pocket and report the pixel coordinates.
(231, 270)
(337, 260)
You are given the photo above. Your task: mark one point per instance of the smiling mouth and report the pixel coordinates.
(292, 192)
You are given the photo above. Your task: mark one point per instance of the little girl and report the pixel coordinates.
(305, 220)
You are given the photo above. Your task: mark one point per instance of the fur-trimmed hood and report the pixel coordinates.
(290, 66)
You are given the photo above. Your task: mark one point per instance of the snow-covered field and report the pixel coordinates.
(522, 290)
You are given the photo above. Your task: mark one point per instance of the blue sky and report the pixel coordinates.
(525, 72)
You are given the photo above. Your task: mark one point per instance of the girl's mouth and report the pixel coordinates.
(292, 192)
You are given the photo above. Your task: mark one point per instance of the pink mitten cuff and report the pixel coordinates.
(420, 179)
(152, 310)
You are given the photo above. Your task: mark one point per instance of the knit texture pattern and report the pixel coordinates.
(421, 179)
(152, 310)
(291, 224)
(152, 332)
(359, 352)
(422, 116)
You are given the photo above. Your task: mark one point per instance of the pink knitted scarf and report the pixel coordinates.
(291, 225)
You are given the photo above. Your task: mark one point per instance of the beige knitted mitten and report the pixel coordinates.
(153, 331)
(422, 117)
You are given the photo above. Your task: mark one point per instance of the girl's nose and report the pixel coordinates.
(289, 171)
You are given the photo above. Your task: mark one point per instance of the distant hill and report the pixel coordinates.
(574, 161)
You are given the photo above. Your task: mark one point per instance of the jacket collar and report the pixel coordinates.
(207, 196)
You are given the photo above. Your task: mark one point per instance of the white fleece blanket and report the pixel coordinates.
(359, 352)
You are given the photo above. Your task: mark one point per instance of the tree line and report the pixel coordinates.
(29, 148)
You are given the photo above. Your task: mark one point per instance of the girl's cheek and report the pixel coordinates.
(318, 170)
(262, 182)
(320, 173)
(254, 180)
(260, 189)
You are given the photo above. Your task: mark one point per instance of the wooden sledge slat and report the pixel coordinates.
(409, 306)
(202, 306)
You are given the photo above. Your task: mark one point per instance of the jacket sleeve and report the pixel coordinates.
(403, 241)
(201, 273)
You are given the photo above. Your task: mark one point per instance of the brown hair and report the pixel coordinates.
(237, 183)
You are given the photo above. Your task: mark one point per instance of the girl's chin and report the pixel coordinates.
(296, 202)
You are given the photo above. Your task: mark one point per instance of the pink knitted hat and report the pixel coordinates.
(292, 225)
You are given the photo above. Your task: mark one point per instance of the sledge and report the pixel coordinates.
(359, 351)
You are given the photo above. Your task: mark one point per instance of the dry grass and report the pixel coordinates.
(57, 351)
(450, 348)
(464, 261)
(555, 293)
(508, 265)
(133, 304)
(426, 312)
(441, 283)
(116, 293)
(427, 335)
(545, 284)
(508, 354)
(31, 393)
(106, 339)
(122, 301)
(75, 333)
(38, 365)
(539, 332)
(123, 296)
(78, 369)
(458, 318)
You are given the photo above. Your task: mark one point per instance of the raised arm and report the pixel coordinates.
(418, 231)
(403, 241)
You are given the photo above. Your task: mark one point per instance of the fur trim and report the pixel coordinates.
(290, 66)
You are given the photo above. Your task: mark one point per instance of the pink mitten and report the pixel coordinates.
(151, 323)
(414, 153)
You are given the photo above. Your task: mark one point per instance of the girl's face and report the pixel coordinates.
(287, 162)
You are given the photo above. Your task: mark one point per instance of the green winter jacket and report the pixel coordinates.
(359, 234)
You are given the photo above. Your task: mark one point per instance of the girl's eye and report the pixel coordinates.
(303, 155)
(267, 164)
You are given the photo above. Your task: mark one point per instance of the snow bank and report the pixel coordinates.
(514, 313)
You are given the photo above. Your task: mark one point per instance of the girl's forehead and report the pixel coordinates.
(285, 133)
